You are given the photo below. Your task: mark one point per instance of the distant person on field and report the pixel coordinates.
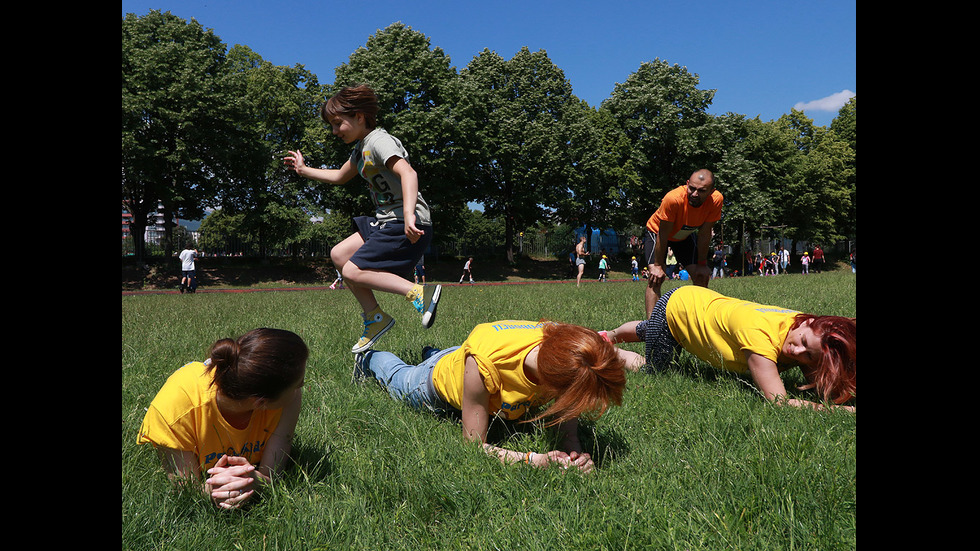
(339, 281)
(467, 270)
(232, 416)
(188, 270)
(771, 264)
(580, 254)
(818, 259)
(381, 255)
(420, 273)
(805, 262)
(635, 269)
(671, 270)
(690, 209)
(603, 266)
(718, 262)
(505, 368)
(783, 257)
(750, 339)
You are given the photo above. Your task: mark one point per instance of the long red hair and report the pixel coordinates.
(580, 371)
(836, 376)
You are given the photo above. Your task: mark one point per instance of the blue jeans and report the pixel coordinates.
(411, 384)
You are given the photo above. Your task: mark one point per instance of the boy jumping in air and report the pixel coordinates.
(383, 252)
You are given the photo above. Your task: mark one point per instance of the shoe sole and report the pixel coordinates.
(374, 339)
(430, 313)
(359, 373)
(355, 374)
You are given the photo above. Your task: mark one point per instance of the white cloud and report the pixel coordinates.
(831, 103)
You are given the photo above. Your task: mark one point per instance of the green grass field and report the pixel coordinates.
(693, 459)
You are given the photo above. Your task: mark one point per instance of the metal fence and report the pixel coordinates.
(533, 244)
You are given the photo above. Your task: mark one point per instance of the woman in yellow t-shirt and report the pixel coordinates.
(232, 416)
(748, 338)
(502, 369)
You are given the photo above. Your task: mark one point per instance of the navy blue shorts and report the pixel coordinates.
(386, 248)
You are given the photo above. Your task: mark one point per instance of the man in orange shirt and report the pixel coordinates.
(691, 208)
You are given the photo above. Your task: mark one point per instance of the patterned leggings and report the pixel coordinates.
(660, 344)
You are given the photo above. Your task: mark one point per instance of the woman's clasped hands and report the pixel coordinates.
(231, 481)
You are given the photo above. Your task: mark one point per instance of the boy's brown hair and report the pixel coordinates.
(350, 101)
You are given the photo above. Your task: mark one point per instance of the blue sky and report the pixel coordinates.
(763, 57)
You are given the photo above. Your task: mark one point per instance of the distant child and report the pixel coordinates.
(771, 264)
(805, 261)
(671, 270)
(338, 281)
(467, 270)
(188, 275)
(603, 266)
(635, 269)
(381, 255)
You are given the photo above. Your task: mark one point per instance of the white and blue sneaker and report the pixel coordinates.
(427, 303)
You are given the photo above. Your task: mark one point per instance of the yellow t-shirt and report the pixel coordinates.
(184, 416)
(720, 329)
(499, 349)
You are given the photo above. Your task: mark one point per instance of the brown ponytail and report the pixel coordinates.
(262, 363)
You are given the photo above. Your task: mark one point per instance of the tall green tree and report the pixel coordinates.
(600, 186)
(272, 112)
(820, 208)
(727, 149)
(515, 142)
(773, 156)
(845, 123)
(176, 118)
(845, 127)
(662, 112)
(804, 170)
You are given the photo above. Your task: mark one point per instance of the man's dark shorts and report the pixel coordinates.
(685, 250)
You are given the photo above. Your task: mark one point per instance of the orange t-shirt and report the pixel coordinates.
(686, 218)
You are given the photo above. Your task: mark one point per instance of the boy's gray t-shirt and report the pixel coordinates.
(369, 156)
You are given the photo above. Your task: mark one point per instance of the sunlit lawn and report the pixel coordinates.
(693, 459)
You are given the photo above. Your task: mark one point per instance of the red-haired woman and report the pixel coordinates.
(750, 338)
(503, 369)
(232, 416)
